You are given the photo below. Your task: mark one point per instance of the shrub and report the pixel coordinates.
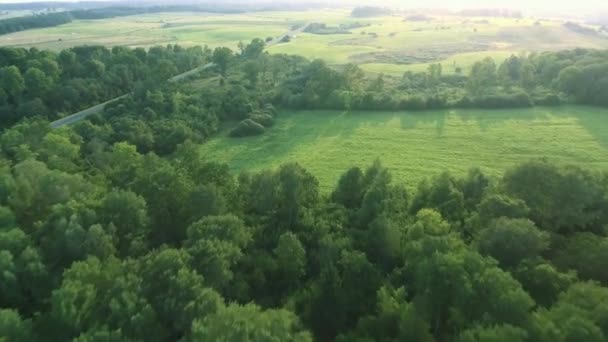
(247, 128)
(269, 108)
(415, 102)
(263, 119)
(548, 100)
(517, 100)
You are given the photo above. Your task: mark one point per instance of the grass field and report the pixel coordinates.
(389, 45)
(187, 29)
(419, 145)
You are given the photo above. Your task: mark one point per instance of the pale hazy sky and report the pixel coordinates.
(601, 5)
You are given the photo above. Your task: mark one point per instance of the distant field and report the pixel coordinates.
(13, 14)
(389, 45)
(392, 45)
(186, 29)
(419, 145)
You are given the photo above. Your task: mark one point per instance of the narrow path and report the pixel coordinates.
(68, 120)
(278, 39)
(83, 114)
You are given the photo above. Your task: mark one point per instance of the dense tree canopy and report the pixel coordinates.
(117, 228)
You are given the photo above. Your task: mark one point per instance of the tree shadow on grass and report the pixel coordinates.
(593, 119)
(294, 131)
(484, 119)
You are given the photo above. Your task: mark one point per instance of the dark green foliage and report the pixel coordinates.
(511, 241)
(48, 84)
(497, 205)
(350, 189)
(35, 21)
(222, 57)
(559, 198)
(585, 253)
(119, 229)
(247, 128)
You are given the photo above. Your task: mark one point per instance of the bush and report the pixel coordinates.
(517, 100)
(269, 108)
(548, 100)
(436, 102)
(247, 128)
(414, 102)
(263, 119)
(464, 102)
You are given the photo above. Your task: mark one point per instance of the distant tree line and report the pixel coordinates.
(551, 78)
(370, 11)
(16, 24)
(491, 12)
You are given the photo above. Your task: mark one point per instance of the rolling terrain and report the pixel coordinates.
(389, 44)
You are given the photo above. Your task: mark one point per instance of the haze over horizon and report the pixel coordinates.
(523, 4)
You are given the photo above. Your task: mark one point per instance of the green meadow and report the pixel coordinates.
(416, 145)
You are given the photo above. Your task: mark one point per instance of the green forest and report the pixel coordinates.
(116, 229)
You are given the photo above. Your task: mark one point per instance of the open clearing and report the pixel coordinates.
(390, 45)
(418, 145)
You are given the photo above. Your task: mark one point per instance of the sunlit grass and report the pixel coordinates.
(419, 145)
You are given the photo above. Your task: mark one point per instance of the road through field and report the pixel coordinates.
(83, 114)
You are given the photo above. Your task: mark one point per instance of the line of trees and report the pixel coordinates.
(10, 25)
(551, 78)
(548, 79)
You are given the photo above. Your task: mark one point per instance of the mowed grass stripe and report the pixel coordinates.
(419, 145)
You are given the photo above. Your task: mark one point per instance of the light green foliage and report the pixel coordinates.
(14, 328)
(177, 294)
(498, 333)
(216, 244)
(449, 277)
(127, 214)
(249, 323)
(96, 291)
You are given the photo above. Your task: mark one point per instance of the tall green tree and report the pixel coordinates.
(222, 57)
